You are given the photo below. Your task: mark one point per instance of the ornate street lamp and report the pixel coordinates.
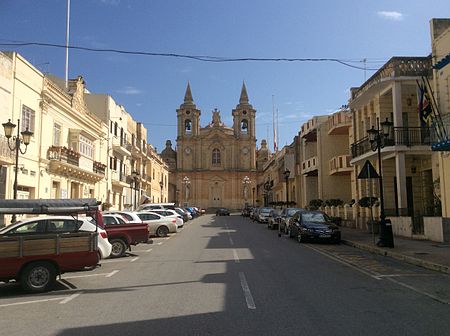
(186, 183)
(135, 175)
(286, 174)
(253, 198)
(17, 141)
(377, 139)
(245, 182)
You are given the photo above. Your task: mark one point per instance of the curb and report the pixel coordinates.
(410, 260)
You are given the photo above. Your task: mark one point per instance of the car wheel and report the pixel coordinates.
(162, 231)
(118, 248)
(300, 238)
(38, 277)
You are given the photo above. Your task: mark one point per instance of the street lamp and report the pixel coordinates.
(246, 181)
(186, 183)
(17, 141)
(161, 184)
(286, 174)
(377, 139)
(253, 198)
(266, 193)
(135, 175)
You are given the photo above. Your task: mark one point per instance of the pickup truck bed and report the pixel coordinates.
(122, 236)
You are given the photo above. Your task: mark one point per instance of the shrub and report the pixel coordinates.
(315, 204)
(366, 202)
(334, 202)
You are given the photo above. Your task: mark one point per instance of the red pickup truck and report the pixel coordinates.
(123, 234)
(36, 259)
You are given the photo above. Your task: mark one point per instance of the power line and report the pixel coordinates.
(202, 58)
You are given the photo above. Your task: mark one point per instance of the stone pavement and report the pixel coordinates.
(423, 253)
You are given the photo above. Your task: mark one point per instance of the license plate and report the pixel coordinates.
(325, 236)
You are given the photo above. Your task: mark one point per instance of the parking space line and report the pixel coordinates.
(236, 257)
(110, 261)
(247, 293)
(149, 250)
(27, 302)
(160, 243)
(87, 275)
(112, 273)
(134, 259)
(70, 298)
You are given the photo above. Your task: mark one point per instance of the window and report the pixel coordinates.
(116, 126)
(86, 147)
(56, 134)
(215, 156)
(27, 119)
(188, 126)
(29, 228)
(244, 126)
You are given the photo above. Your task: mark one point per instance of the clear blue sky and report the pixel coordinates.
(152, 88)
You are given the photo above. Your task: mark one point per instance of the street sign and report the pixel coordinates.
(368, 171)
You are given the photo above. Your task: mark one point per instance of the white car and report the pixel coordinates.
(59, 224)
(169, 213)
(158, 225)
(127, 215)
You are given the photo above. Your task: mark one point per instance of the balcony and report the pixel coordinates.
(403, 136)
(339, 123)
(340, 165)
(121, 146)
(310, 166)
(67, 162)
(309, 130)
(119, 179)
(440, 134)
(6, 155)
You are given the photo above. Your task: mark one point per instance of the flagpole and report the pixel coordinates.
(273, 126)
(67, 44)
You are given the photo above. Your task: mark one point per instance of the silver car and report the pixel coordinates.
(158, 225)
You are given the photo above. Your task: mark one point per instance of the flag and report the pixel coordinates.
(425, 109)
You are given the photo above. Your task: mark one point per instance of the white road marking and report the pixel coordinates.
(160, 243)
(431, 296)
(134, 259)
(70, 298)
(149, 250)
(112, 273)
(404, 275)
(247, 293)
(27, 302)
(91, 275)
(236, 257)
(231, 241)
(110, 261)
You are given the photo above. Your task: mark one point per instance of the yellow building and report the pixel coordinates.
(212, 161)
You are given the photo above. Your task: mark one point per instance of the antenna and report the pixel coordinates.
(67, 44)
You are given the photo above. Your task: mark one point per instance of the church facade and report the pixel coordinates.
(215, 165)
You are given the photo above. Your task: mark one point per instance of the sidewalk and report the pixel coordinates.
(423, 253)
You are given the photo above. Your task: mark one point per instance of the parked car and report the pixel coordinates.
(313, 226)
(254, 213)
(58, 224)
(182, 213)
(172, 214)
(246, 211)
(127, 215)
(263, 215)
(122, 234)
(150, 206)
(274, 219)
(286, 215)
(158, 225)
(222, 212)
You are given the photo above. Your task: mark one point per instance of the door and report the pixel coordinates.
(216, 195)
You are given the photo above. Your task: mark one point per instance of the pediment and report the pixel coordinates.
(217, 178)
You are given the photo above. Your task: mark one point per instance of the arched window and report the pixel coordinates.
(188, 126)
(244, 126)
(215, 156)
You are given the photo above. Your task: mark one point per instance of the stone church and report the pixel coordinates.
(210, 165)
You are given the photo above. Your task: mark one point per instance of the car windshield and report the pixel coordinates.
(265, 211)
(292, 211)
(316, 217)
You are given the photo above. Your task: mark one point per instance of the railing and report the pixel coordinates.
(397, 67)
(99, 168)
(63, 154)
(402, 136)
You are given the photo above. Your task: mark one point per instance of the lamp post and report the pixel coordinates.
(135, 175)
(286, 174)
(245, 182)
(186, 183)
(161, 184)
(377, 139)
(253, 196)
(17, 141)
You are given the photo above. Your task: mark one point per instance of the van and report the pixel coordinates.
(154, 206)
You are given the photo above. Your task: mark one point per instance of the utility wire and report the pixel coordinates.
(202, 58)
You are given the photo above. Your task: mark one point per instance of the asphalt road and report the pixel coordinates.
(231, 276)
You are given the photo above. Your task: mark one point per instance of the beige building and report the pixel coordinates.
(407, 162)
(213, 161)
(324, 158)
(440, 44)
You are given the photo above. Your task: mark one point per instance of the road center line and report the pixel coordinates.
(70, 298)
(247, 293)
(236, 257)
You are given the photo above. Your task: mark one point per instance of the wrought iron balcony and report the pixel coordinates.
(403, 136)
(63, 154)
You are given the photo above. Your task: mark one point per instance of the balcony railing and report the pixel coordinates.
(402, 136)
(99, 168)
(63, 154)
